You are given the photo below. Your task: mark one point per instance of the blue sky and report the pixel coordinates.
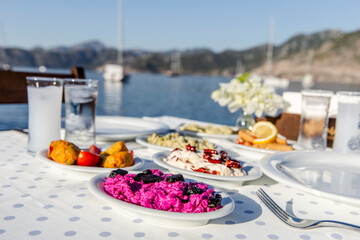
(170, 24)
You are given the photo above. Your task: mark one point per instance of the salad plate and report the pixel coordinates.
(329, 174)
(114, 128)
(142, 140)
(160, 217)
(43, 157)
(206, 135)
(252, 172)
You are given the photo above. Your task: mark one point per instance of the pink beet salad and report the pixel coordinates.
(169, 192)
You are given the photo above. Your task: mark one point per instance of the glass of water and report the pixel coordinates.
(347, 128)
(314, 119)
(44, 103)
(80, 105)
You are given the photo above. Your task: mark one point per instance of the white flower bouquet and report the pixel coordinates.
(248, 92)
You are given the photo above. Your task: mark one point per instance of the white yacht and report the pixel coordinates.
(115, 72)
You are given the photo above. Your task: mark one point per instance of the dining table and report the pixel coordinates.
(42, 201)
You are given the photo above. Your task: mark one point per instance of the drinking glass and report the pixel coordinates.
(44, 103)
(80, 105)
(314, 119)
(347, 128)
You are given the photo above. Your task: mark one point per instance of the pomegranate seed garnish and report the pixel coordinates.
(217, 161)
(210, 151)
(190, 148)
(232, 164)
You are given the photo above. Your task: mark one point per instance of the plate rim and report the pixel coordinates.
(94, 189)
(42, 156)
(161, 127)
(273, 173)
(257, 174)
(258, 150)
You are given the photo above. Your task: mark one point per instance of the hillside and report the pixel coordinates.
(337, 59)
(328, 55)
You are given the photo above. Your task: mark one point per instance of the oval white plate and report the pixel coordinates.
(110, 128)
(252, 171)
(143, 141)
(43, 156)
(158, 216)
(206, 135)
(327, 174)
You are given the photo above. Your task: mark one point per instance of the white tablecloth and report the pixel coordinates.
(39, 201)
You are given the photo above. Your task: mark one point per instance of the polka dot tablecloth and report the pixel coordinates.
(39, 201)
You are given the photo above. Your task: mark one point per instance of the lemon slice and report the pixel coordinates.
(265, 132)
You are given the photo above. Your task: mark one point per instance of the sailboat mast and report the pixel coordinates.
(3, 59)
(119, 33)
(269, 64)
(239, 67)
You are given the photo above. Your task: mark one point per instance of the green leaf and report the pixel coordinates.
(243, 77)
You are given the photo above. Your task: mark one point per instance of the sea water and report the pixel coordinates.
(44, 116)
(152, 95)
(80, 103)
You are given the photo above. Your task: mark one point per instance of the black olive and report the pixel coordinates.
(193, 190)
(147, 172)
(116, 172)
(151, 178)
(215, 201)
(175, 178)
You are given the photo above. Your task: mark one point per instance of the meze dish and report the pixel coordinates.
(209, 130)
(264, 135)
(209, 161)
(67, 155)
(209, 164)
(174, 140)
(169, 192)
(162, 199)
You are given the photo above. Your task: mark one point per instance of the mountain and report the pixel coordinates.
(329, 55)
(90, 45)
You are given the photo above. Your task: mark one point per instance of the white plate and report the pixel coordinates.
(43, 156)
(157, 216)
(110, 128)
(143, 141)
(232, 142)
(251, 171)
(206, 135)
(327, 174)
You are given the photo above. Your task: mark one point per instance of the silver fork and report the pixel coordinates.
(298, 222)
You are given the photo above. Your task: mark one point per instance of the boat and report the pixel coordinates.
(270, 79)
(175, 64)
(276, 82)
(42, 68)
(3, 64)
(307, 81)
(114, 72)
(239, 69)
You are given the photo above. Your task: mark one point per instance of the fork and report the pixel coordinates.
(299, 222)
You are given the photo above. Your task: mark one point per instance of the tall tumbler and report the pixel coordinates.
(347, 128)
(314, 119)
(44, 103)
(80, 105)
